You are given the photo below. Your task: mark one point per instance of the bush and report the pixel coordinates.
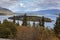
(7, 29)
(4, 32)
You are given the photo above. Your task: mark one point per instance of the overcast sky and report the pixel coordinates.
(30, 5)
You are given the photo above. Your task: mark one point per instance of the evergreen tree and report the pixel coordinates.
(24, 20)
(57, 27)
(33, 23)
(40, 23)
(14, 19)
(43, 21)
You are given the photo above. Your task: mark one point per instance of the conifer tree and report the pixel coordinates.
(14, 19)
(24, 20)
(40, 23)
(43, 21)
(57, 27)
(33, 23)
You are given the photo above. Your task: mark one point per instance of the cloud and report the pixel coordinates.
(30, 5)
(51, 4)
(7, 3)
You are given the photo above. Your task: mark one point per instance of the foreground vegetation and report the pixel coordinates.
(7, 29)
(32, 33)
(12, 30)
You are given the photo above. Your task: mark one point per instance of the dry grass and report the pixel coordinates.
(30, 33)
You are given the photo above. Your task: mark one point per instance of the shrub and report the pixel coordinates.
(7, 29)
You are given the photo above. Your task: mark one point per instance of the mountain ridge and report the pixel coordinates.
(5, 11)
(50, 11)
(42, 12)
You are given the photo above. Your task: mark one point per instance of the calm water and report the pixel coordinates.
(50, 24)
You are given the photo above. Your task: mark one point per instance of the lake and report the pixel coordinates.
(50, 24)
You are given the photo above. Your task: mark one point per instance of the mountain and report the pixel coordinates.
(42, 12)
(4, 11)
(50, 11)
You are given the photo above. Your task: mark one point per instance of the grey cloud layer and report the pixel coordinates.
(30, 5)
